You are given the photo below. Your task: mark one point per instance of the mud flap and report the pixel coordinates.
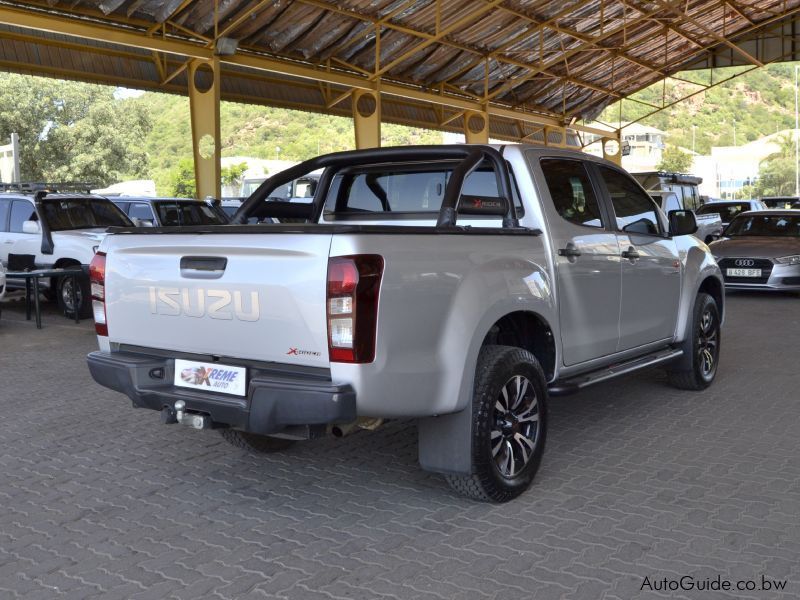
(445, 443)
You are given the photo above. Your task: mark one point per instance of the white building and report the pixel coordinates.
(730, 168)
(646, 146)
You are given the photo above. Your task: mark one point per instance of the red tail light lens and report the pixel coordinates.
(97, 279)
(352, 306)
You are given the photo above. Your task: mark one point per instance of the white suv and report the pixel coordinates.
(59, 230)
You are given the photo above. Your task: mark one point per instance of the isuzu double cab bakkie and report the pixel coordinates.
(461, 286)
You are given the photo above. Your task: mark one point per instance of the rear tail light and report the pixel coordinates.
(97, 278)
(352, 307)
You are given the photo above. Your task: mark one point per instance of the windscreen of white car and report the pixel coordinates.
(175, 214)
(64, 214)
(764, 226)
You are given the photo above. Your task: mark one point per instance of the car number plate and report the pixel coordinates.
(744, 272)
(211, 377)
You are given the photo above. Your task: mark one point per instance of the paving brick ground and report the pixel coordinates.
(100, 500)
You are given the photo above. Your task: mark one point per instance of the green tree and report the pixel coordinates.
(675, 160)
(182, 179)
(73, 131)
(233, 175)
(776, 173)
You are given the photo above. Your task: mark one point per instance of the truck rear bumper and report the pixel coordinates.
(273, 402)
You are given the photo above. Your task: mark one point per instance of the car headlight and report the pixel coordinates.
(789, 260)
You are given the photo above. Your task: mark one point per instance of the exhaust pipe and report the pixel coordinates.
(370, 423)
(339, 431)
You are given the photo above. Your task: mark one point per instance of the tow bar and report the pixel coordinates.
(177, 414)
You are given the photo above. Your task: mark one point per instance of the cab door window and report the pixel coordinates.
(571, 191)
(635, 212)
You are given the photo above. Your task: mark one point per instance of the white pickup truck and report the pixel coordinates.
(458, 285)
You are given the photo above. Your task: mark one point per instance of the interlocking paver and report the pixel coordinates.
(102, 501)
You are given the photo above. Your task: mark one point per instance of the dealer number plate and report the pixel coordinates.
(211, 377)
(744, 272)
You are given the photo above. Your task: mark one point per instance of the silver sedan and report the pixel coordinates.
(761, 250)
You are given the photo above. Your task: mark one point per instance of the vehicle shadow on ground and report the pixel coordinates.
(581, 429)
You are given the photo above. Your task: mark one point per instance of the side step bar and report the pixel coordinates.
(575, 384)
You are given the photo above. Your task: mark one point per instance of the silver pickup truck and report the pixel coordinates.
(460, 286)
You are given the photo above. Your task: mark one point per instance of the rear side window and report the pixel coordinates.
(21, 211)
(571, 191)
(4, 206)
(405, 190)
(635, 211)
(691, 201)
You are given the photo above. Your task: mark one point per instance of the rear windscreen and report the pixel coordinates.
(405, 190)
(172, 214)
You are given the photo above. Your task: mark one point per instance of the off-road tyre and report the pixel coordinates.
(497, 368)
(254, 442)
(697, 368)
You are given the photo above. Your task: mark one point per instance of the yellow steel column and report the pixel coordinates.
(367, 118)
(204, 106)
(476, 127)
(612, 147)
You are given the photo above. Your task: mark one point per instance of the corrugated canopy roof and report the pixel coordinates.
(525, 61)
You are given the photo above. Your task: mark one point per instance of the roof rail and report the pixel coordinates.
(31, 187)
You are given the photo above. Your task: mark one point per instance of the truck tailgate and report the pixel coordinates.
(253, 296)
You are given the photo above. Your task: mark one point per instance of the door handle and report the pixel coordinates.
(570, 251)
(630, 253)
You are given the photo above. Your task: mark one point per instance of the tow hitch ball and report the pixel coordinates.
(177, 414)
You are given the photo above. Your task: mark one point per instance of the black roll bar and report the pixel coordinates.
(471, 156)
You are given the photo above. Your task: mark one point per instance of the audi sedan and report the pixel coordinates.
(761, 250)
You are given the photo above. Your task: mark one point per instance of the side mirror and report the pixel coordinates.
(682, 222)
(31, 227)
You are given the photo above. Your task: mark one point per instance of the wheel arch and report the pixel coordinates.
(66, 262)
(528, 330)
(59, 264)
(714, 288)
